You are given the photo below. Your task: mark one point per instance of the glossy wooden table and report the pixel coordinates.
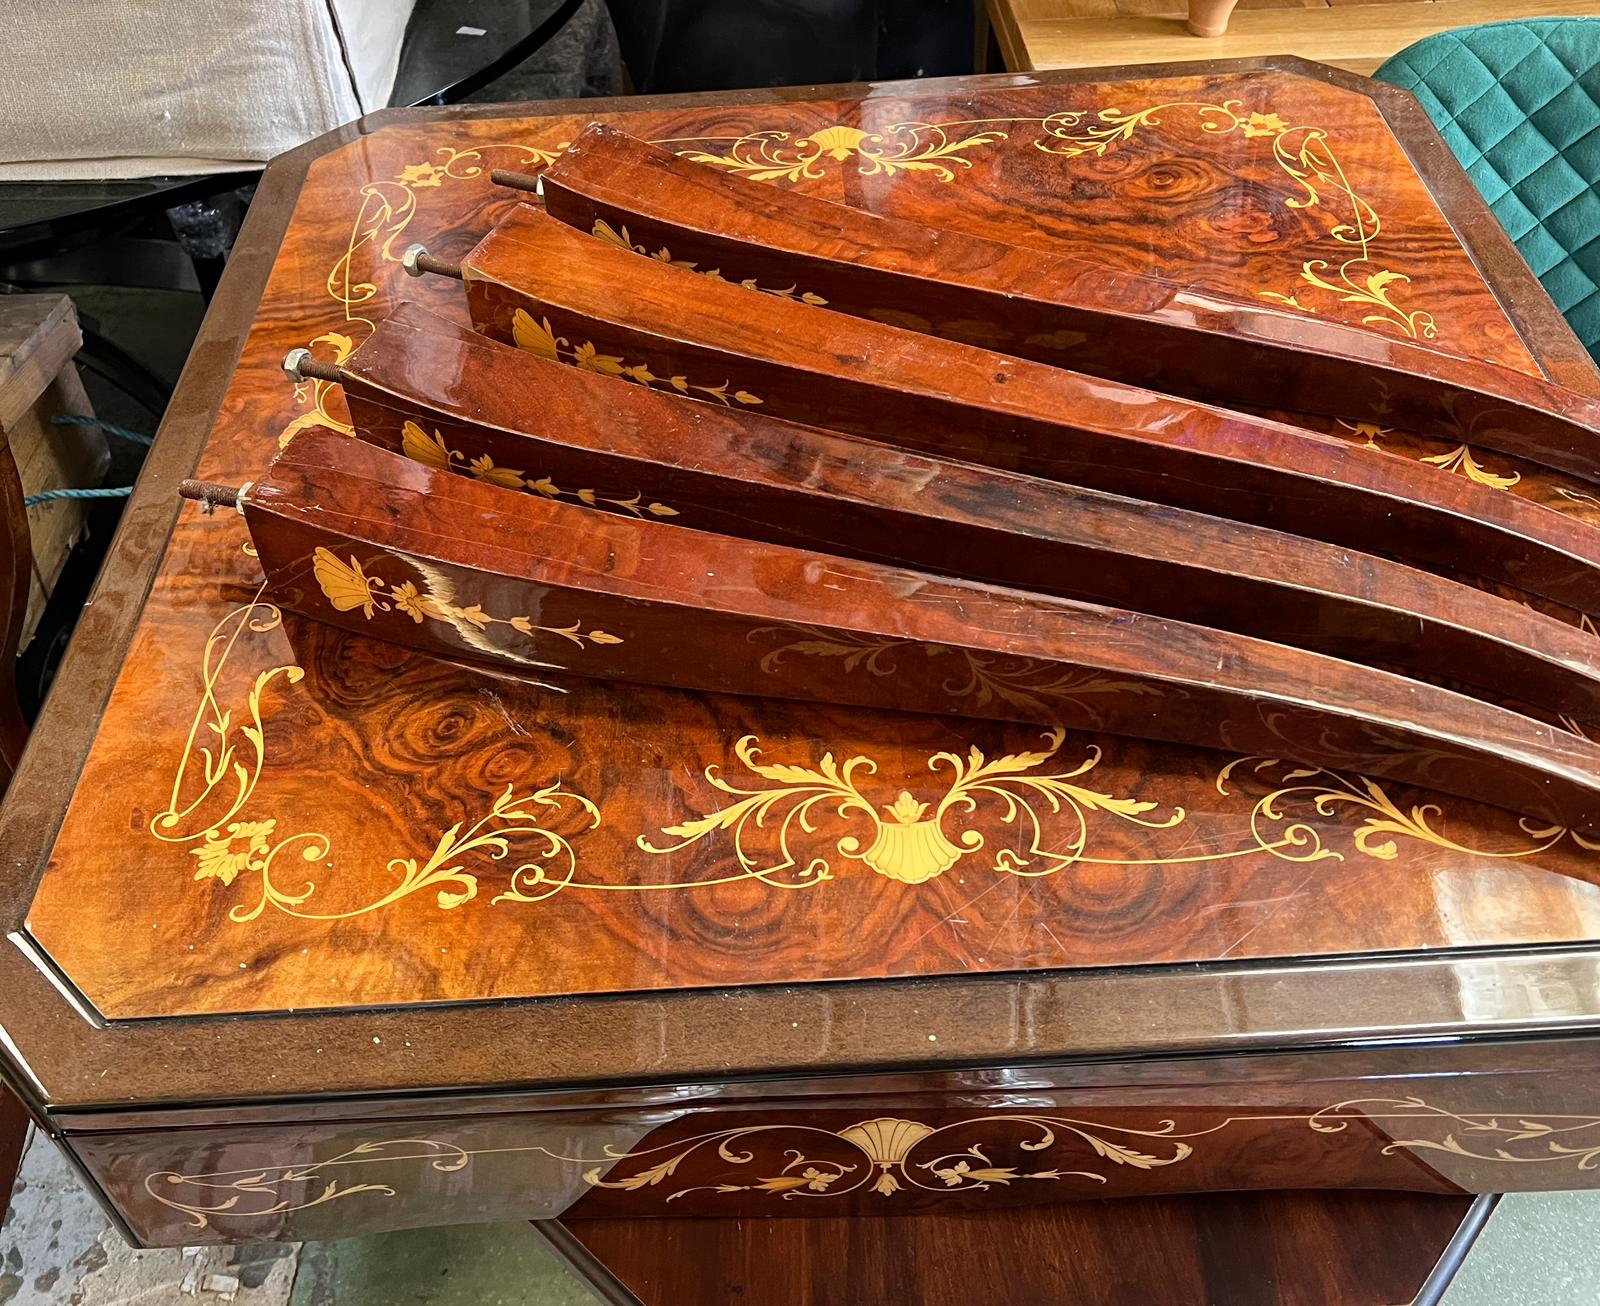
(308, 934)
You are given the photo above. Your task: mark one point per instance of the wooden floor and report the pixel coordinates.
(1035, 35)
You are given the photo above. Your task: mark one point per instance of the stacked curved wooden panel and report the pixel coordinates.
(775, 434)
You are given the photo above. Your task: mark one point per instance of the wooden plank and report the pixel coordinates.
(51, 457)
(1051, 310)
(1357, 37)
(39, 336)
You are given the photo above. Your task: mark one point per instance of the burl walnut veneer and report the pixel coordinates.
(555, 291)
(1163, 334)
(443, 395)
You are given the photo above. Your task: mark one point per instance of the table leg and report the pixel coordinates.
(1210, 17)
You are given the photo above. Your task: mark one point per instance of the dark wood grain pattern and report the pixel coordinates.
(1290, 1249)
(1070, 312)
(381, 544)
(426, 387)
(561, 294)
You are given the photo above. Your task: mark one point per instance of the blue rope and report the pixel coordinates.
(46, 496)
(110, 428)
(113, 492)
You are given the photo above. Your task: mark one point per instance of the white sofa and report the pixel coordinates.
(141, 88)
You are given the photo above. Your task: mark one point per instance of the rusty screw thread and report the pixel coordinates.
(516, 180)
(211, 496)
(416, 260)
(321, 371)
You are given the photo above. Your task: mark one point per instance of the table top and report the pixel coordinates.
(502, 883)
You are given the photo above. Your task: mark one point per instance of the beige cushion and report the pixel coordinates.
(138, 88)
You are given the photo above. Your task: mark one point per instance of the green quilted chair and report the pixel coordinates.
(1519, 104)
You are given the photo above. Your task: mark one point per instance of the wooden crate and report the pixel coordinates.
(39, 336)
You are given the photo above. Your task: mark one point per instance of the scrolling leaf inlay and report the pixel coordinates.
(539, 339)
(347, 586)
(1383, 820)
(890, 1155)
(381, 219)
(1305, 154)
(212, 807)
(606, 232)
(774, 155)
(432, 450)
(910, 840)
(979, 678)
(214, 811)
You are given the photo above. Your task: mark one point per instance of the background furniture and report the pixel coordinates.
(1034, 35)
(1519, 104)
(139, 90)
(702, 45)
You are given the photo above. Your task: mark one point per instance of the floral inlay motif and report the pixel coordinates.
(901, 147)
(347, 586)
(1029, 684)
(430, 448)
(913, 840)
(1460, 461)
(213, 808)
(539, 339)
(1383, 820)
(606, 232)
(888, 1156)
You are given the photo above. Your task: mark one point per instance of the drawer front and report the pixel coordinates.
(848, 1155)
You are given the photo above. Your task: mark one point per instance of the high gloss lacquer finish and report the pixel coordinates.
(442, 395)
(361, 537)
(557, 292)
(490, 938)
(1145, 331)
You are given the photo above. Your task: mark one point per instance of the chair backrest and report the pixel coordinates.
(1519, 105)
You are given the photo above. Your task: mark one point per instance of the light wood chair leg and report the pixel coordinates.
(1210, 17)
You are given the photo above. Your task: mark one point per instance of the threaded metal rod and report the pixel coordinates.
(210, 495)
(516, 180)
(416, 260)
(298, 365)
